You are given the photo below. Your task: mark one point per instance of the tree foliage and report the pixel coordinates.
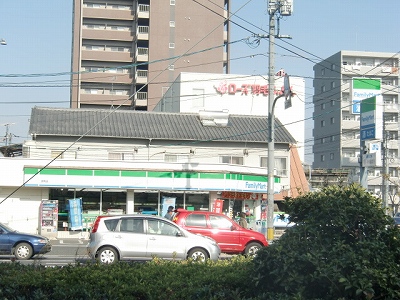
(343, 246)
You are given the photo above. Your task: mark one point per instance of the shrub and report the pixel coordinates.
(157, 279)
(343, 246)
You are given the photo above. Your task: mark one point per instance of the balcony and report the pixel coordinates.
(110, 14)
(225, 36)
(144, 11)
(109, 35)
(141, 76)
(380, 71)
(350, 162)
(142, 54)
(392, 126)
(351, 143)
(389, 87)
(391, 108)
(143, 33)
(111, 56)
(225, 57)
(107, 77)
(350, 124)
(393, 144)
(106, 99)
(141, 99)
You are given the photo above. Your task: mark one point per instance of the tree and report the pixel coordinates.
(343, 246)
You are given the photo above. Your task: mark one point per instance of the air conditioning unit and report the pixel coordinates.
(214, 118)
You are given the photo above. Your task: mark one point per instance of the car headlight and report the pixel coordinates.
(211, 240)
(42, 241)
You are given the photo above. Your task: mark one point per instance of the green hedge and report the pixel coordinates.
(158, 279)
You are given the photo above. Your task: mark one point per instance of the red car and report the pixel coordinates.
(231, 238)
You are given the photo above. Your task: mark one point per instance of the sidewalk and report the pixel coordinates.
(83, 235)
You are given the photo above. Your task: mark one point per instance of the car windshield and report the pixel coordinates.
(6, 228)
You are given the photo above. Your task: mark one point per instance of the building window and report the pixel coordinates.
(332, 156)
(333, 102)
(333, 120)
(120, 156)
(233, 160)
(171, 23)
(323, 123)
(91, 91)
(332, 138)
(171, 45)
(322, 157)
(322, 140)
(323, 106)
(333, 85)
(172, 2)
(323, 89)
(333, 67)
(323, 71)
(57, 154)
(93, 5)
(176, 158)
(171, 67)
(280, 167)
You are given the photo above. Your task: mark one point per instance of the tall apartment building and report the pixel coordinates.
(127, 52)
(337, 123)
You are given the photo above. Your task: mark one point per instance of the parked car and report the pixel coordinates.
(141, 237)
(22, 245)
(397, 219)
(231, 238)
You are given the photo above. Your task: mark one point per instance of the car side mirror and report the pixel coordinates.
(233, 227)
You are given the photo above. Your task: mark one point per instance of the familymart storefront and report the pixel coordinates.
(144, 189)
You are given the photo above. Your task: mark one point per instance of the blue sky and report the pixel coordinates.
(38, 35)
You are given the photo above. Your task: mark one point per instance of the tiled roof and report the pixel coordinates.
(149, 125)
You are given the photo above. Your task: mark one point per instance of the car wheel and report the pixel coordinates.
(252, 249)
(107, 255)
(23, 251)
(198, 254)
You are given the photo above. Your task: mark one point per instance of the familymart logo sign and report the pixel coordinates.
(363, 88)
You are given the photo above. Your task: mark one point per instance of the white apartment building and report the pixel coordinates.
(337, 122)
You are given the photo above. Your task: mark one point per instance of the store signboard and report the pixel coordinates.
(163, 180)
(218, 206)
(363, 88)
(75, 214)
(371, 119)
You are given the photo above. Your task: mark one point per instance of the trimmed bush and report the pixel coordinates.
(343, 246)
(158, 279)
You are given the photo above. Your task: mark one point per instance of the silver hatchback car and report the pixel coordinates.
(142, 237)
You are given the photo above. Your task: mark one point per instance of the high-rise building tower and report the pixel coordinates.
(337, 119)
(127, 52)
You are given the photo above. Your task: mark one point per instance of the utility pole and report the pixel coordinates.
(8, 136)
(385, 168)
(284, 7)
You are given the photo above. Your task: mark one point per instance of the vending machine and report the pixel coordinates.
(49, 218)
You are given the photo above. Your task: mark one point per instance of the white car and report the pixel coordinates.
(142, 237)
